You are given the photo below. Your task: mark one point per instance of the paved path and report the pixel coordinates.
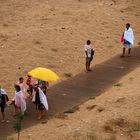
(80, 88)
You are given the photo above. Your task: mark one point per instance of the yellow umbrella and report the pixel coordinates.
(43, 74)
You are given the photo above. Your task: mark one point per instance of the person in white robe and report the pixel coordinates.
(19, 101)
(128, 39)
(40, 100)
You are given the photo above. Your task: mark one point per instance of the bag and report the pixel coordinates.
(92, 54)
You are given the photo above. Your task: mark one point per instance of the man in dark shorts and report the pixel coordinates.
(3, 100)
(89, 54)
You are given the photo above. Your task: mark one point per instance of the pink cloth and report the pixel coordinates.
(20, 101)
(22, 86)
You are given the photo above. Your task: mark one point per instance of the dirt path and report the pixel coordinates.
(77, 90)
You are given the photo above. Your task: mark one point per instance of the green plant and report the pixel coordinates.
(17, 124)
(91, 136)
(68, 74)
(118, 85)
(92, 98)
(131, 78)
(136, 127)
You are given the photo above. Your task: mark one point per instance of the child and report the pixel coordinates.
(89, 54)
(3, 100)
(19, 101)
(30, 82)
(40, 100)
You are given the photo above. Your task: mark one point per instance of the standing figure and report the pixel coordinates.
(127, 39)
(19, 101)
(89, 54)
(22, 85)
(40, 100)
(30, 82)
(3, 100)
(43, 85)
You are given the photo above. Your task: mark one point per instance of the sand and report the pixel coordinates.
(52, 34)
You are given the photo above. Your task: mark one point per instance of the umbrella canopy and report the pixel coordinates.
(44, 74)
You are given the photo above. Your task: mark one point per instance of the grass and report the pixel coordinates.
(131, 78)
(68, 74)
(108, 129)
(72, 110)
(118, 85)
(92, 98)
(112, 137)
(100, 109)
(91, 107)
(61, 116)
(91, 136)
(136, 127)
(110, 46)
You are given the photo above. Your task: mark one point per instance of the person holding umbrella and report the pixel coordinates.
(40, 100)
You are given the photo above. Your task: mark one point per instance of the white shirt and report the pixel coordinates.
(88, 50)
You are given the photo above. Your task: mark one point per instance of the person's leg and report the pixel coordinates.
(16, 109)
(123, 51)
(3, 114)
(129, 51)
(86, 65)
(89, 66)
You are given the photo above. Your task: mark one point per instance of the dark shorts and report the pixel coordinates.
(127, 44)
(88, 59)
(2, 108)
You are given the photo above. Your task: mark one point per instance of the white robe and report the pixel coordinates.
(20, 101)
(129, 36)
(43, 99)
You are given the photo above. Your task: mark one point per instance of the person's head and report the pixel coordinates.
(36, 87)
(127, 26)
(29, 76)
(21, 80)
(88, 42)
(17, 88)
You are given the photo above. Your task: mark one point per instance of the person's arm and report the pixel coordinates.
(86, 53)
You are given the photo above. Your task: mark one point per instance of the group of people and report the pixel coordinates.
(127, 41)
(37, 92)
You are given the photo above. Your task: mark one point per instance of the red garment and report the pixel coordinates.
(122, 39)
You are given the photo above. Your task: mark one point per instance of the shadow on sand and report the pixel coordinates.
(79, 89)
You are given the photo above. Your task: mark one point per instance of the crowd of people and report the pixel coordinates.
(37, 92)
